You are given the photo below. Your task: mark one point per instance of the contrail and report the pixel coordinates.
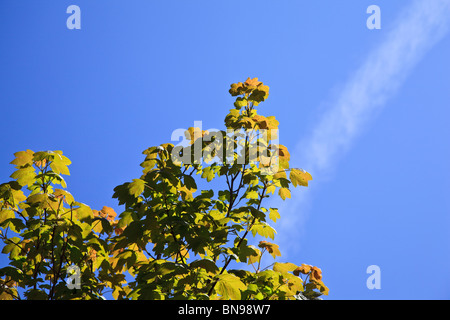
(417, 29)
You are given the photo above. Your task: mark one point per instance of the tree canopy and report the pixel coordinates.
(175, 240)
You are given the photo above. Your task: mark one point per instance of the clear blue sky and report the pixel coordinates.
(137, 70)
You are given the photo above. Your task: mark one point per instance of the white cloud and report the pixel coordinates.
(419, 26)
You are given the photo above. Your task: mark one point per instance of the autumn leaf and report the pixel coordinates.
(304, 268)
(299, 177)
(284, 267)
(236, 89)
(272, 248)
(23, 158)
(229, 286)
(252, 82)
(274, 214)
(284, 193)
(106, 213)
(136, 187)
(316, 274)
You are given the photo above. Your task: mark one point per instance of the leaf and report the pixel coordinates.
(284, 193)
(304, 268)
(136, 187)
(189, 182)
(6, 214)
(229, 286)
(252, 194)
(106, 213)
(13, 247)
(284, 267)
(208, 174)
(84, 212)
(252, 82)
(272, 248)
(206, 264)
(264, 230)
(299, 177)
(274, 214)
(240, 102)
(24, 176)
(125, 219)
(67, 196)
(316, 274)
(23, 158)
(254, 257)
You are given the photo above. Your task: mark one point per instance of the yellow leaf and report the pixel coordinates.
(254, 258)
(229, 287)
(284, 267)
(274, 214)
(299, 177)
(284, 193)
(23, 158)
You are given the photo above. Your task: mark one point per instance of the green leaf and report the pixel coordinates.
(136, 187)
(206, 264)
(84, 212)
(229, 286)
(126, 218)
(106, 226)
(208, 174)
(12, 247)
(252, 288)
(190, 182)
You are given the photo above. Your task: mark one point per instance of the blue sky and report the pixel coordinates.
(365, 111)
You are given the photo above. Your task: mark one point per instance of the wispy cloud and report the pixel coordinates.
(417, 29)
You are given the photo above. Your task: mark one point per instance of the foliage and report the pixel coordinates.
(177, 242)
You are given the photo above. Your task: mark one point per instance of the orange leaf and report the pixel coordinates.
(304, 268)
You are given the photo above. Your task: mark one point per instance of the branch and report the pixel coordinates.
(240, 241)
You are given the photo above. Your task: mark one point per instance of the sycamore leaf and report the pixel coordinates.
(284, 267)
(252, 194)
(59, 167)
(284, 193)
(106, 213)
(206, 264)
(229, 286)
(136, 187)
(263, 229)
(240, 102)
(24, 176)
(316, 274)
(274, 214)
(83, 212)
(272, 248)
(299, 177)
(23, 158)
(6, 214)
(67, 196)
(304, 268)
(208, 173)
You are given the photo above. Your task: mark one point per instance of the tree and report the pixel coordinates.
(176, 242)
